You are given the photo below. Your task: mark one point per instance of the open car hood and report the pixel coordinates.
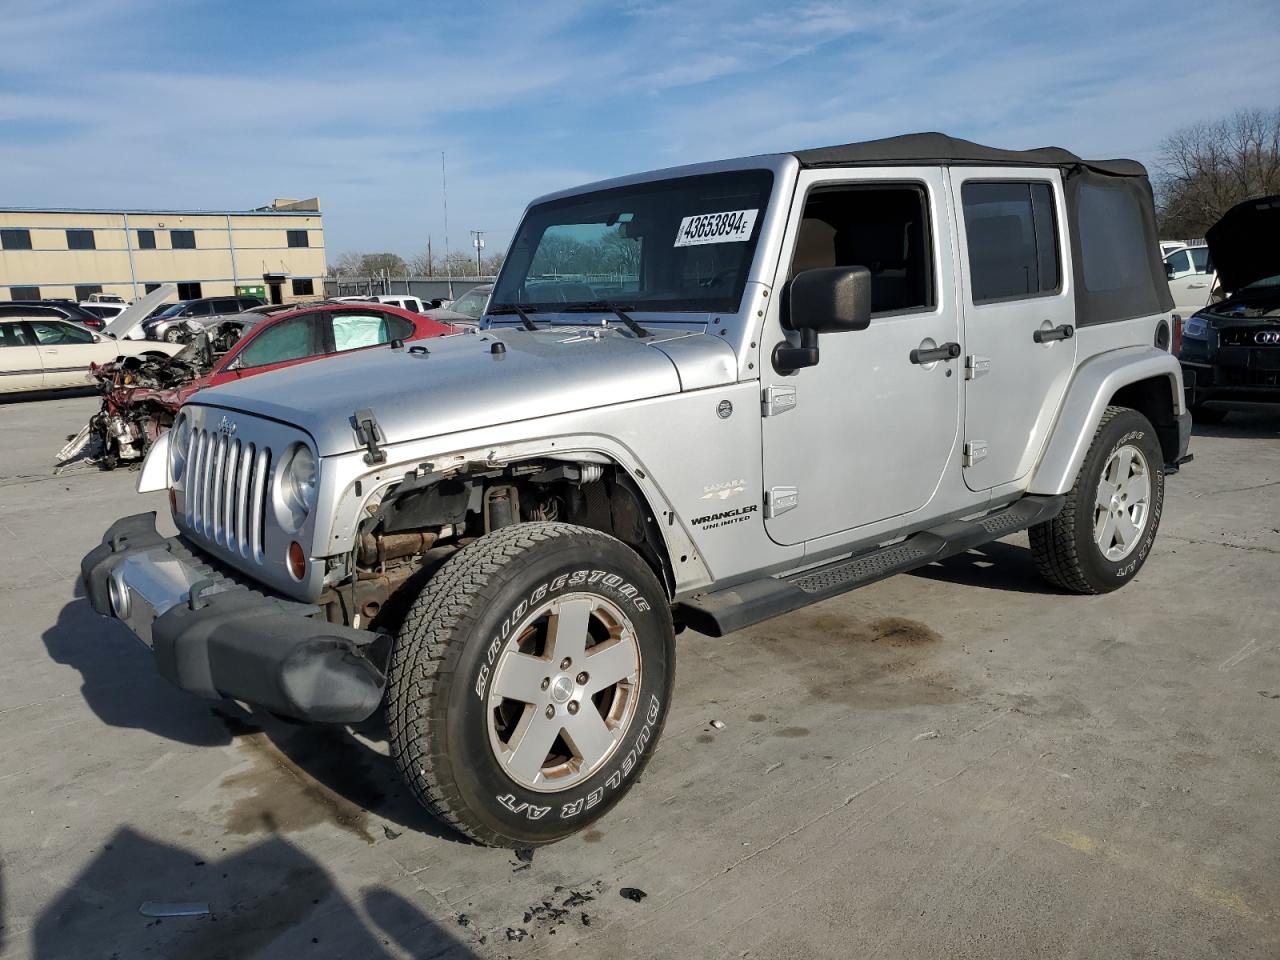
(1245, 243)
(137, 311)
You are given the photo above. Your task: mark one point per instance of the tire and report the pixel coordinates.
(1207, 415)
(173, 335)
(478, 629)
(1067, 548)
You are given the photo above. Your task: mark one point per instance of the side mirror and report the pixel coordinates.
(825, 300)
(1168, 271)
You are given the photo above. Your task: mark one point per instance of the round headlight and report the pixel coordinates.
(298, 485)
(179, 447)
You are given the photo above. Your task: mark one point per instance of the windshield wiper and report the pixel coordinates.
(520, 310)
(604, 306)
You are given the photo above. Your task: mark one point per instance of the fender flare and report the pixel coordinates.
(1095, 382)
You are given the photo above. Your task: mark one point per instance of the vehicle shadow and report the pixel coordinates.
(325, 762)
(996, 565)
(269, 899)
(1242, 423)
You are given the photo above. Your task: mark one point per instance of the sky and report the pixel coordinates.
(229, 104)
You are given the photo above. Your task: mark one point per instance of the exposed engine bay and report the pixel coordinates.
(141, 397)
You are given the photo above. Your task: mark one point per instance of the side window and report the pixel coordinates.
(1013, 240)
(12, 335)
(1180, 262)
(51, 333)
(884, 228)
(351, 331)
(201, 308)
(226, 306)
(287, 340)
(1199, 259)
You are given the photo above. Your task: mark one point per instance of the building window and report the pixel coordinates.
(18, 240)
(304, 288)
(86, 290)
(182, 239)
(148, 287)
(146, 239)
(24, 293)
(298, 238)
(189, 291)
(1013, 243)
(80, 240)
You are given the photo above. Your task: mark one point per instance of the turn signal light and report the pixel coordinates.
(297, 560)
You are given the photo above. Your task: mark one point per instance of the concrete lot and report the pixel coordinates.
(960, 763)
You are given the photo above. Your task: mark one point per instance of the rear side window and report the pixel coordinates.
(1013, 240)
(287, 340)
(12, 335)
(1113, 244)
(351, 331)
(1200, 259)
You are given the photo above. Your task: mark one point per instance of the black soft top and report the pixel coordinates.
(938, 148)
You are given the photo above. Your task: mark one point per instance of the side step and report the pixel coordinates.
(723, 611)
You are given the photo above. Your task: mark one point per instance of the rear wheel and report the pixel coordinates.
(173, 335)
(1102, 537)
(530, 682)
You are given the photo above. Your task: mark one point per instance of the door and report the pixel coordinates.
(1019, 317)
(20, 367)
(1190, 279)
(66, 350)
(279, 344)
(866, 433)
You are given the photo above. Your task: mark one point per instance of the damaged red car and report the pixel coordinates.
(141, 397)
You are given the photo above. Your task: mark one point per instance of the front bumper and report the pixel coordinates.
(1240, 382)
(220, 637)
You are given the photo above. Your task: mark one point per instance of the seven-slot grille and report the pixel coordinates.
(228, 485)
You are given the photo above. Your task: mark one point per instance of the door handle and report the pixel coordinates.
(1064, 332)
(947, 351)
(1196, 286)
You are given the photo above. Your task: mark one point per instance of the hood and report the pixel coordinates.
(466, 381)
(1245, 244)
(132, 315)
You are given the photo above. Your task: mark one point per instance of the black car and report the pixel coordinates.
(61, 309)
(170, 324)
(1230, 350)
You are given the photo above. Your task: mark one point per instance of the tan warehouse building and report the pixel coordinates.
(274, 252)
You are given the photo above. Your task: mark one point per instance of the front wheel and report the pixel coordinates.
(530, 681)
(174, 335)
(1101, 539)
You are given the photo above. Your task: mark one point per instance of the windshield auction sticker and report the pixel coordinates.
(730, 226)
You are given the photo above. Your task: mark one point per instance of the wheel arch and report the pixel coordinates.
(1142, 378)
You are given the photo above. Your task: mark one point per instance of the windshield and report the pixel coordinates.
(673, 245)
(472, 302)
(171, 311)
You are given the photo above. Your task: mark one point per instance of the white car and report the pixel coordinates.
(1191, 278)
(39, 353)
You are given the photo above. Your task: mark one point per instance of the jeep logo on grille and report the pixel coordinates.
(227, 427)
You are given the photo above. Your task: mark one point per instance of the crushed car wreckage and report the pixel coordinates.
(141, 397)
(140, 400)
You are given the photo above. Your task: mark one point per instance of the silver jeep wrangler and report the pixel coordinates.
(700, 397)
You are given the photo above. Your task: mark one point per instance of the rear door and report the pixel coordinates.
(66, 350)
(1019, 316)
(20, 367)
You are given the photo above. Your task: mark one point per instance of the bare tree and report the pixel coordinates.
(1209, 167)
(349, 264)
(374, 264)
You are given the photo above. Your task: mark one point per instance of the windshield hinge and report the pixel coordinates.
(370, 434)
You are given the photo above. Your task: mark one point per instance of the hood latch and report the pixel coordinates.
(370, 434)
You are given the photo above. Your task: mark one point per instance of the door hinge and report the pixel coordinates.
(779, 500)
(975, 451)
(778, 400)
(976, 366)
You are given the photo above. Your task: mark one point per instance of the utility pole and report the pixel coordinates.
(477, 239)
(444, 184)
(431, 262)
